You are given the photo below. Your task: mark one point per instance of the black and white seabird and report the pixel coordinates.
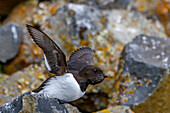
(72, 77)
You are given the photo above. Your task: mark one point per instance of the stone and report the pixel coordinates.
(103, 32)
(22, 81)
(106, 4)
(69, 28)
(128, 24)
(75, 21)
(29, 52)
(31, 103)
(158, 102)
(6, 7)
(117, 109)
(91, 102)
(156, 10)
(11, 37)
(145, 62)
(81, 21)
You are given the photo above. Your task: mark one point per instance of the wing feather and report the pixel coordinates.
(80, 58)
(54, 56)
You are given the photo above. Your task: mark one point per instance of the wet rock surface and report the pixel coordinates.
(28, 103)
(146, 59)
(11, 37)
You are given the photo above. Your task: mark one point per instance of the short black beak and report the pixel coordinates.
(105, 76)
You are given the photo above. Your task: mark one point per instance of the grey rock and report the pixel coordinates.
(105, 4)
(158, 102)
(120, 109)
(146, 60)
(13, 107)
(31, 103)
(124, 25)
(11, 37)
(22, 81)
(75, 21)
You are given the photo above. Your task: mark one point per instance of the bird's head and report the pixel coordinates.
(92, 74)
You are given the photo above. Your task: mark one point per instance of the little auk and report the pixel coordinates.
(70, 78)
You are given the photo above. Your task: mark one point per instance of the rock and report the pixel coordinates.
(158, 102)
(3, 77)
(128, 24)
(146, 60)
(6, 6)
(156, 10)
(11, 37)
(117, 109)
(29, 52)
(22, 81)
(107, 4)
(81, 21)
(100, 34)
(65, 29)
(15, 106)
(71, 27)
(28, 103)
(92, 102)
(76, 21)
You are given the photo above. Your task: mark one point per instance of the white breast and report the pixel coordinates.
(63, 87)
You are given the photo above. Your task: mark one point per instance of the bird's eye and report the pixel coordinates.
(95, 70)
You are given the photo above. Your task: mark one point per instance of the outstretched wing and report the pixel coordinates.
(55, 59)
(80, 58)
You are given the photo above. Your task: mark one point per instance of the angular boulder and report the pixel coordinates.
(145, 62)
(11, 37)
(28, 103)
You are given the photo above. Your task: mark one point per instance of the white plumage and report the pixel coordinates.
(63, 87)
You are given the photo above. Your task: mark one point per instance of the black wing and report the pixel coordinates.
(80, 58)
(54, 57)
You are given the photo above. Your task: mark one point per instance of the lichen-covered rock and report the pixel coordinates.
(75, 21)
(155, 10)
(128, 24)
(158, 102)
(100, 29)
(81, 21)
(28, 103)
(11, 37)
(76, 25)
(146, 60)
(22, 81)
(117, 109)
(13, 107)
(22, 14)
(104, 4)
(3, 77)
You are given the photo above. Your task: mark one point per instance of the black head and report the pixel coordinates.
(92, 74)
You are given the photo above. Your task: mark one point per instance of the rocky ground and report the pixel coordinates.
(131, 44)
